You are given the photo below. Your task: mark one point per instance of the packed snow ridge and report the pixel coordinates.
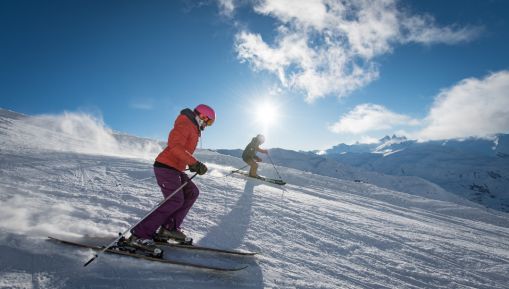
(315, 232)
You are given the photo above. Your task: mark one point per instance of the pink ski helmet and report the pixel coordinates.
(206, 113)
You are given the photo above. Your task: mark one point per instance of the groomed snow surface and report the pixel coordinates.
(315, 232)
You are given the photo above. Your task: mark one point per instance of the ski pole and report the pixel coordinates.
(274, 166)
(139, 221)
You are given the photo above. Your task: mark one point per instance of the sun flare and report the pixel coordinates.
(266, 114)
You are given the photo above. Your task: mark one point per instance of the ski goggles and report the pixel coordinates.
(206, 120)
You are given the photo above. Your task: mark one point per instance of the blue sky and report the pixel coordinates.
(329, 71)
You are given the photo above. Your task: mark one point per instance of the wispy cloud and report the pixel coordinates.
(142, 103)
(370, 117)
(422, 29)
(329, 47)
(473, 107)
(226, 6)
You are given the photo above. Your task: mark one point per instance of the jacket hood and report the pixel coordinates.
(192, 117)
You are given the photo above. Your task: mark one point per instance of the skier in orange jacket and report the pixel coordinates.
(169, 169)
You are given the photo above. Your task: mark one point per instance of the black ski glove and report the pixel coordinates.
(198, 167)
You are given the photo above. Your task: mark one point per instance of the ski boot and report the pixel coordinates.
(134, 245)
(164, 235)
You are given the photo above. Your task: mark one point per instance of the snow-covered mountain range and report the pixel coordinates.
(475, 169)
(69, 176)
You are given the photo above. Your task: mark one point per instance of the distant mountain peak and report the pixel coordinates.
(393, 137)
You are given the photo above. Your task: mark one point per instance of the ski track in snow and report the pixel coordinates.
(315, 232)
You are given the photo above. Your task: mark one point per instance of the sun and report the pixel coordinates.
(266, 114)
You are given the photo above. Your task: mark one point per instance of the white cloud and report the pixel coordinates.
(325, 47)
(226, 6)
(369, 140)
(370, 117)
(473, 107)
(422, 29)
(306, 12)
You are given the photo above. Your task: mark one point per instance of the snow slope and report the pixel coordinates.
(315, 232)
(328, 166)
(467, 170)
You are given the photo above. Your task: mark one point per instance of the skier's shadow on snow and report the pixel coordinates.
(231, 231)
(232, 228)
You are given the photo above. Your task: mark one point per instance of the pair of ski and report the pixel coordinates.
(120, 250)
(265, 179)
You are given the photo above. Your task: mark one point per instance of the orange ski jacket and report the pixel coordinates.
(182, 142)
